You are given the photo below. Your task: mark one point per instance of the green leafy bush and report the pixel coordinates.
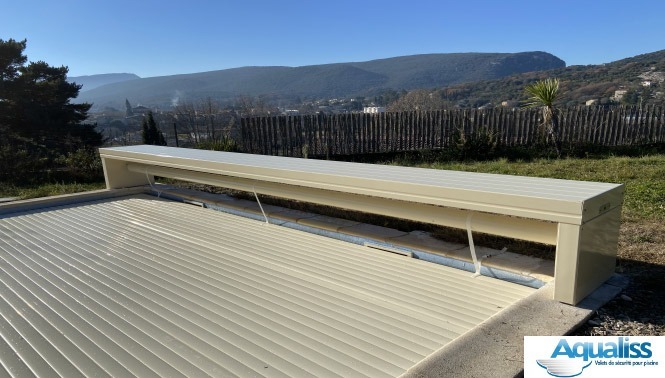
(83, 164)
(479, 145)
(224, 143)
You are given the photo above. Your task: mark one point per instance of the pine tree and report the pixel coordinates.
(38, 122)
(128, 109)
(150, 134)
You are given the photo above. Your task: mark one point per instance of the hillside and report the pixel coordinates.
(578, 83)
(93, 81)
(322, 81)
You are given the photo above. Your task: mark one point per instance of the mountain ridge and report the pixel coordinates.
(89, 82)
(321, 81)
(579, 84)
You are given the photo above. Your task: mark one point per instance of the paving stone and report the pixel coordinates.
(291, 215)
(372, 232)
(426, 242)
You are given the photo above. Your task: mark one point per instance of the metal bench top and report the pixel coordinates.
(546, 199)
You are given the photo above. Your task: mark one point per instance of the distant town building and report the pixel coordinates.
(510, 103)
(618, 94)
(646, 83)
(140, 110)
(291, 112)
(374, 109)
(591, 102)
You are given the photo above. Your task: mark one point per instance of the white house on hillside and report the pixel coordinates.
(374, 109)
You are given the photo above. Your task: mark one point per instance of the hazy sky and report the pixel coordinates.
(154, 38)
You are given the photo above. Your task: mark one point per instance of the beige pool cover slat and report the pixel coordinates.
(147, 287)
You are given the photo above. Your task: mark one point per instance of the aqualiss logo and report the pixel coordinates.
(593, 356)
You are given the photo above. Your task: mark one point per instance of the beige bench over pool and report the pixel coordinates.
(580, 218)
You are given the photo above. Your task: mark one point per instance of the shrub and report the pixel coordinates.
(479, 145)
(224, 143)
(83, 164)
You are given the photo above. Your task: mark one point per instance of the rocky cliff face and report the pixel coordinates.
(525, 62)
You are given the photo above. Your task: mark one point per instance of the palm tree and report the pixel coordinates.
(544, 93)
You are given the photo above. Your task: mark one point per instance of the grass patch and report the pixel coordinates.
(48, 189)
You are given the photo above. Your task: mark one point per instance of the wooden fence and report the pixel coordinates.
(356, 133)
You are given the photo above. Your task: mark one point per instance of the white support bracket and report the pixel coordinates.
(472, 247)
(159, 193)
(260, 207)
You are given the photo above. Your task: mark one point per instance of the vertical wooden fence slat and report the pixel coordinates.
(615, 129)
(617, 126)
(582, 118)
(407, 128)
(413, 129)
(640, 128)
(288, 123)
(629, 130)
(537, 128)
(275, 135)
(388, 133)
(659, 129)
(516, 116)
(593, 127)
(350, 133)
(564, 128)
(268, 134)
(656, 126)
(363, 134)
(531, 120)
(523, 126)
(398, 131)
(510, 121)
(603, 126)
(359, 133)
(573, 113)
(563, 122)
(445, 129)
(436, 130)
(351, 129)
(245, 138)
(418, 128)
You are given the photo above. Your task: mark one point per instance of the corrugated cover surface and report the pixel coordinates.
(147, 287)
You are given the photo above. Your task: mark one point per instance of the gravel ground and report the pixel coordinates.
(638, 311)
